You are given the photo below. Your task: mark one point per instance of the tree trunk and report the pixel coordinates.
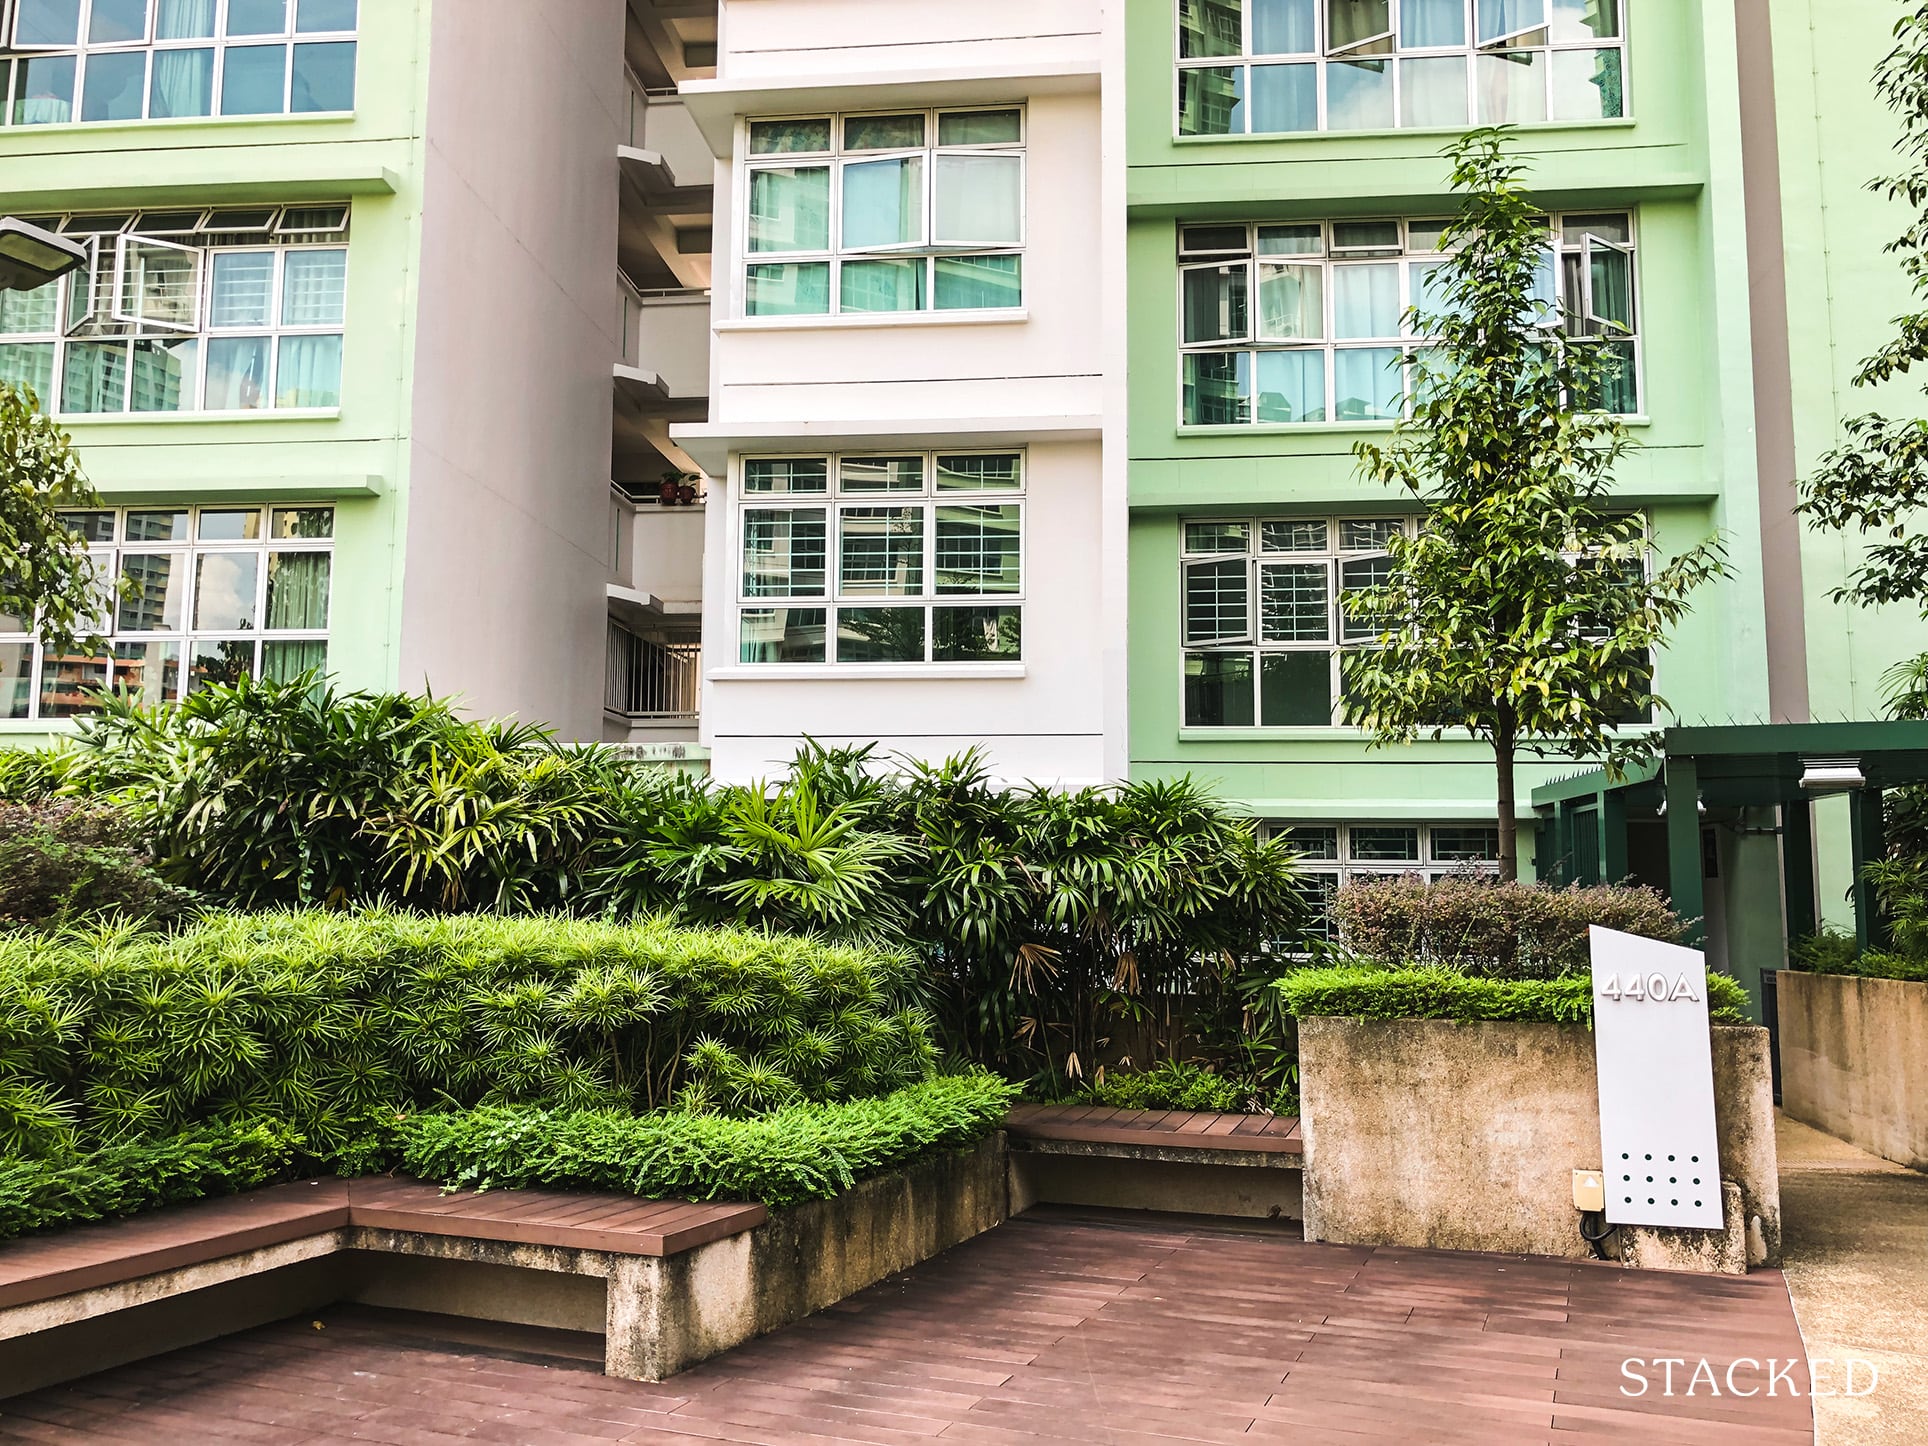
(1503, 754)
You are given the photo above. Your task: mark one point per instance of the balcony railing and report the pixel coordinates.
(654, 681)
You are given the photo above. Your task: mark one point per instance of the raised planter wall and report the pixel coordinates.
(1464, 1136)
(1854, 1060)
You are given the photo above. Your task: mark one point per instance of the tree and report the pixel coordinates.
(1524, 611)
(1876, 481)
(46, 577)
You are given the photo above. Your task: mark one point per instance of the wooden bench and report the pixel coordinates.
(573, 1260)
(1169, 1160)
(666, 1283)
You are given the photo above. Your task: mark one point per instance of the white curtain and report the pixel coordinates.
(183, 83)
(310, 372)
(314, 288)
(883, 203)
(1365, 301)
(185, 20)
(980, 200)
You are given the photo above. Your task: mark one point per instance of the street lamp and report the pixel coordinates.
(31, 257)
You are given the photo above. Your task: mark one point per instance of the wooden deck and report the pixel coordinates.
(1057, 1327)
(42, 1267)
(1102, 1125)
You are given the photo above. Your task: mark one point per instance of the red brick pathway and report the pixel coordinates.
(1058, 1327)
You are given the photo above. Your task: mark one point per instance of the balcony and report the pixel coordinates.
(654, 688)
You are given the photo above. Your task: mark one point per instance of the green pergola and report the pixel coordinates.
(1585, 818)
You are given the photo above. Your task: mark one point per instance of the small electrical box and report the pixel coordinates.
(1589, 1190)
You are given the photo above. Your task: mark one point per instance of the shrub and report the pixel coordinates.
(320, 1020)
(1047, 925)
(61, 863)
(1835, 953)
(801, 1152)
(129, 1178)
(1507, 931)
(1359, 992)
(269, 793)
(1173, 1085)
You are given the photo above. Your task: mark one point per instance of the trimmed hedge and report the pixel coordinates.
(1356, 992)
(1172, 1085)
(1507, 931)
(124, 1180)
(804, 1152)
(322, 1020)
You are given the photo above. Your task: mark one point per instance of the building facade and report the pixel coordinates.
(708, 376)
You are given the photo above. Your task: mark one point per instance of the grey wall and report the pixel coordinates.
(518, 328)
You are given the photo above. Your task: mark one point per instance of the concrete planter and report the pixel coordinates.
(1464, 1136)
(1854, 1060)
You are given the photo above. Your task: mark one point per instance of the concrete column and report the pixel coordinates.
(1683, 848)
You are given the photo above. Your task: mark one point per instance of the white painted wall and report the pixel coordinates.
(660, 550)
(1046, 726)
(921, 378)
(507, 548)
(769, 39)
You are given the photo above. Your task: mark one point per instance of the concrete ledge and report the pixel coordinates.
(1250, 1187)
(666, 1315)
(659, 1314)
(1463, 1136)
(1854, 1060)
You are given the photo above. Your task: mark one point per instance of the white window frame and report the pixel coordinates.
(126, 242)
(1323, 56)
(832, 503)
(184, 636)
(105, 321)
(1413, 257)
(837, 160)
(1341, 637)
(149, 46)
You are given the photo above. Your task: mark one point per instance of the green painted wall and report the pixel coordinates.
(1835, 136)
(1676, 164)
(360, 458)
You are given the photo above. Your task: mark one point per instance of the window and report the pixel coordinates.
(910, 211)
(217, 593)
(1331, 855)
(1262, 623)
(231, 310)
(1274, 67)
(910, 558)
(134, 60)
(1310, 322)
(1263, 620)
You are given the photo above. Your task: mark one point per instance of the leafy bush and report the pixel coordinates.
(1056, 932)
(1506, 931)
(1173, 1085)
(1831, 952)
(1360, 992)
(268, 793)
(802, 1152)
(61, 863)
(126, 1179)
(320, 1020)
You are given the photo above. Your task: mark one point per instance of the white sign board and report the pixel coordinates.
(1656, 1068)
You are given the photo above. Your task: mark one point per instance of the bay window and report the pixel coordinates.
(214, 594)
(231, 310)
(905, 558)
(1312, 322)
(910, 211)
(1276, 67)
(63, 61)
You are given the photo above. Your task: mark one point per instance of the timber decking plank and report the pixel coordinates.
(1175, 1129)
(37, 1269)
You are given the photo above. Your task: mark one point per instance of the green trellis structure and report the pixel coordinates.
(1657, 823)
